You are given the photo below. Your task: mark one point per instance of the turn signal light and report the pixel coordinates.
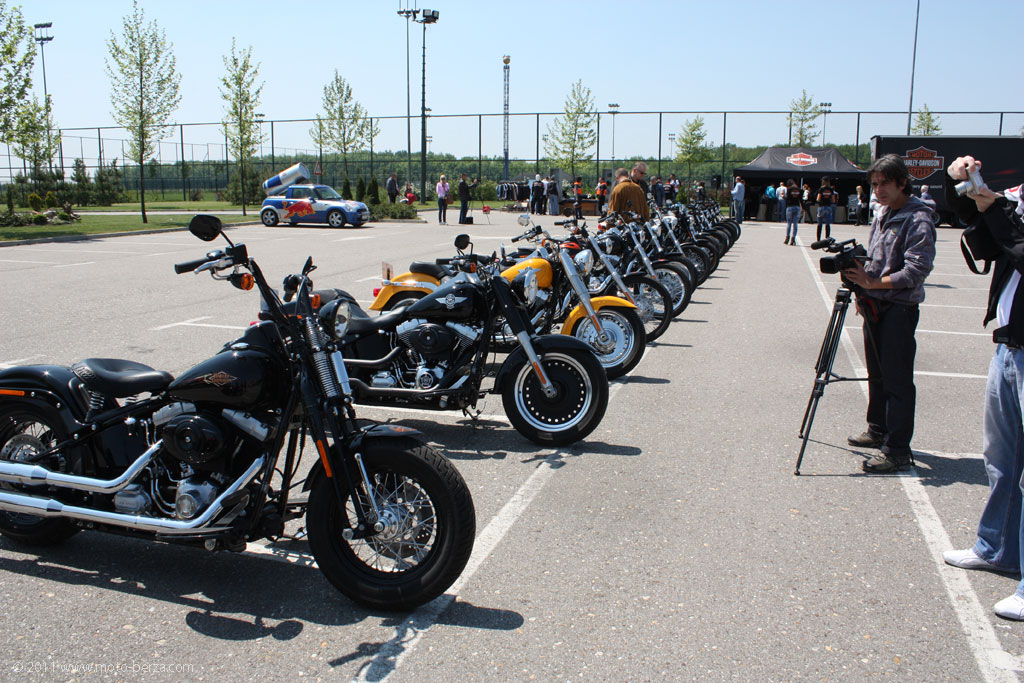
(376, 291)
(11, 392)
(315, 300)
(247, 282)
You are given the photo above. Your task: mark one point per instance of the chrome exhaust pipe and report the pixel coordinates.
(11, 501)
(34, 475)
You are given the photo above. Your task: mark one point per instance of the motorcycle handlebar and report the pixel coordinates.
(188, 266)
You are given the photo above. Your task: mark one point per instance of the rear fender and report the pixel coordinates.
(541, 344)
(598, 302)
(406, 282)
(359, 442)
(53, 386)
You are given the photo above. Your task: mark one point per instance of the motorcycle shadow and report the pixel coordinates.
(221, 606)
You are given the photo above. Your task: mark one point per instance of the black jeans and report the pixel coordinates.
(463, 209)
(889, 348)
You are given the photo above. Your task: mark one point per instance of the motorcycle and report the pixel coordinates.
(429, 350)
(211, 458)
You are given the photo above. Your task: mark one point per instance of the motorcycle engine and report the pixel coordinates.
(194, 439)
(430, 340)
(193, 497)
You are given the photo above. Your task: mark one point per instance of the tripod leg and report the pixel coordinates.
(823, 368)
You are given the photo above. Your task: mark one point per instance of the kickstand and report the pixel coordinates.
(472, 413)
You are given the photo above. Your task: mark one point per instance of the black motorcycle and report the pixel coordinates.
(432, 353)
(212, 457)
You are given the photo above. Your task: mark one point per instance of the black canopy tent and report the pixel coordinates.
(802, 164)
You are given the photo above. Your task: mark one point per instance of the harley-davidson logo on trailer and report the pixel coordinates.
(922, 162)
(801, 159)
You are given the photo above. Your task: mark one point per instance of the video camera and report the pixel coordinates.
(847, 253)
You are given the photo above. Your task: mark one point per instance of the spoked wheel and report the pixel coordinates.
(25, 432)
(624, 342)
(672, 278)
(700, 260)
(653, 303)
(422, 538)
(575, 410)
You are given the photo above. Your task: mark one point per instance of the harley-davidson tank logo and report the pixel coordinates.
(217, 379)
(451, 300)
(801, 159)
(922, 162)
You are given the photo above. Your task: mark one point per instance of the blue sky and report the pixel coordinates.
(646, 56)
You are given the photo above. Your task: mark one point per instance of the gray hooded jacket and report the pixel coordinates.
(902, 245)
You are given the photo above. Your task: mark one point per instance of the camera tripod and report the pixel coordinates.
(823, 367)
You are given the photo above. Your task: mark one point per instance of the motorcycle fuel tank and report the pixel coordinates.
(456, 300)
(236, 377)
(541, 266)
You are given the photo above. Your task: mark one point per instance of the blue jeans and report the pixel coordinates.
(825, 215)
(737, 209)
(442, 210)
(792, 219)
(999, 531)
(553, 204)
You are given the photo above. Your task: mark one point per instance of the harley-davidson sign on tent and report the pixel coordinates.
(801, 159)
(779, 163)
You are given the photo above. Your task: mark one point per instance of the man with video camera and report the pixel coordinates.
(889, 286)
(996, 233)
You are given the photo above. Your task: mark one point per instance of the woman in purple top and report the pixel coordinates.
(442, 200)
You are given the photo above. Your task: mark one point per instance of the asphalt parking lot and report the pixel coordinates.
(673, 544)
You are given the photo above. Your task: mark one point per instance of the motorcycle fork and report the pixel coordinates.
(613, 271)
(582, 293)
(514, 318)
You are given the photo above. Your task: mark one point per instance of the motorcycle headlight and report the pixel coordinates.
(584, 262)
(610, 245)
(335, 317)
(526, 285)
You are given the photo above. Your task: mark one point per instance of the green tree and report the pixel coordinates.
(144, 86)
(926, 123)
(82, 192)
(17, 55)
(30, 138)
(344, 127)
(242, 97)
(693, 146)
(360, 189)
(571, 135)
(802, 115)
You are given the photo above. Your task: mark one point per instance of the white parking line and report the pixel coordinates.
(973, 308)
(935, 272)
(993, 662)
(186, 322)
(11, 260)
(966, 334)
(68, 265)
(355, 239)
(19, 361)
(367, 279)
(79, 251)
(863, 373)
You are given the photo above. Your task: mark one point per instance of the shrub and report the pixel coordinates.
(346, 189)
(10, 199)
(487, 190)
(35, 202)
(196, 195)
(64, 216)
(40, 219)
(50, 200)
(388, 210)
(373, 192)
(15, 219)
(360, 189)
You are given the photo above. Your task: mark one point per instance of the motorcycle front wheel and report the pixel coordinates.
(625, 338)
(653, 303)
(676, 280)
(579, 403)
(428, 521)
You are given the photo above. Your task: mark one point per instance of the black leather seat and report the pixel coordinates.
(120, 378)
(425, 268)
(361, 323)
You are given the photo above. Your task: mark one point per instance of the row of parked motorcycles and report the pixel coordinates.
(213, 457)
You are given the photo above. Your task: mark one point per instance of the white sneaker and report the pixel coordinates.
(967, 559)
(1011, 608)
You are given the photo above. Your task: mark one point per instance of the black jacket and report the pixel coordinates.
(464, 189)
(1006, 230)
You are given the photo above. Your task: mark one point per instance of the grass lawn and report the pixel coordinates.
(170, 205)
(91, 225)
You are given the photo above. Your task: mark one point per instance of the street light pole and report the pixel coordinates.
(826, 109)
(672, 141)
(429, 16)
(408, 14)
(913, 66)
(613, 109)
(42, 36)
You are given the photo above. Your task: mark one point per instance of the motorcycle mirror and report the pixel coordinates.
(523, 220)
(461, 241)
(205, 227)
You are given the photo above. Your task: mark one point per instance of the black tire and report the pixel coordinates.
(573, 413)
(628, 338)
(653, 302)
(725, 236)
(430, 511)
(24, 431)
(675, 278)
(712, 257)
(335, 218)
(716, 242)
(403, 299)
(700, 260)
(269, 217)
(689, 267)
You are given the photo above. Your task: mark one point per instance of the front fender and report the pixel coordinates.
(598, 302)
(541, 344)
(359, 442)
(406, 282)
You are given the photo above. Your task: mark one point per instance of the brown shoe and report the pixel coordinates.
(867, 439)
(884, 463)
